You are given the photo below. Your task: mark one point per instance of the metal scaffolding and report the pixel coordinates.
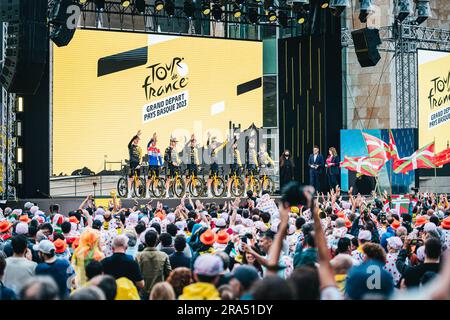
(7, 141)
(404, 40)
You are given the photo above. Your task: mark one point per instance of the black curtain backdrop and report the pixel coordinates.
(36, 142)
(310, 95)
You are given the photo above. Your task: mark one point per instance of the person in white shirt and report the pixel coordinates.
(19, 267)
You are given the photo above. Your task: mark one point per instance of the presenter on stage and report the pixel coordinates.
(155, 161)
(135, 153)
(286, 168)
(332, 168)
(315, 163)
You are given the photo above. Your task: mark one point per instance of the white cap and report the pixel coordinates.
(28, 205)
(395, 243)
(34, 209)
(22, 228)
(220, 222)
(429, 226)
(364, 235)
(45, 246)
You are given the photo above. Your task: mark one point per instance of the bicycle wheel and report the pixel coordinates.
(139, 192)
(218, 187)
(178, 187)
(268, 185)
(237, 186)
(122, 187)
(158, 187)
(254, 185)
(197, 187)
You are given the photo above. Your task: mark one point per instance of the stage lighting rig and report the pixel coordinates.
(217, 12)
(402, 9)
(423, 10)
(125, 3)
(100, 4)
(338, 6)
(159, 5)
(170, 8)
(140, 6)
(364, 10)
(283, 19)
(252, 16)
(324, 4)
(237, 12)
(301, 17)
(189, 9)
(206, 7)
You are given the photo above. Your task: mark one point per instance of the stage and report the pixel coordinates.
(68, 204)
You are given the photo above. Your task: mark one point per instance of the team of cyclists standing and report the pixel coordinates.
(257, 165)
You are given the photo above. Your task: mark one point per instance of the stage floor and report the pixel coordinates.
(72, 203)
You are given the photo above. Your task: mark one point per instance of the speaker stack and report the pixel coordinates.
(366, 42)
(27, 45)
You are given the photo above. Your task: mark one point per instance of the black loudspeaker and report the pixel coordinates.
(366, 42)
(26, 45)
(61, 13)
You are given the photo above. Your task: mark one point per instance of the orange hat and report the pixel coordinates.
(160, 215)
(445, 224)
(24, 218)
(348, 223)
(208, 237)
(74, 219)
(60, 245)
(395, 224)
(5, 225)
(341, 214)
(420, 221)
(223, 237)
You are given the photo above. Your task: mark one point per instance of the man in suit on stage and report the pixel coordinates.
(315, 163)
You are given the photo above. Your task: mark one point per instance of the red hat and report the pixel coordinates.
(223, 237)
(24, 218)
(348, 223)
(74, 219)
(395, 224)
(208, 237)
(5, 225)
(60, 245)
(420, 221)
(445, 224)
(160, 215)
(341, 214)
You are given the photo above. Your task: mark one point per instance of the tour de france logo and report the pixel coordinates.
(164, 78)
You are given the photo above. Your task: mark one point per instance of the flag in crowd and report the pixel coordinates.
(422, 158)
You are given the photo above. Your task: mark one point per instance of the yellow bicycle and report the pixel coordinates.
(157, 185)
(253, 183)
(217, 185)
(237, 187)
(196, 184)
(177, 185)
(137, 185)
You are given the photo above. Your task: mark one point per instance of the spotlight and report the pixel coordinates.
(324, 4)
(282, 19)
(423, 10)
(217, 12)
(206, 8)
(364, 10)
(125, 3)
(188, 9)
(402, 9)
(237, 11)
(82, 1)
(100, 4)
(338, 6)
(159, 5)
(140, 6)
(169, 8)
(271, 15)
(253, 16)
(301, 17)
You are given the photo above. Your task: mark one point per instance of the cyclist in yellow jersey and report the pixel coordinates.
(193, 159)
(214, 147)
(135, 153)
(252, 161)
(235, 167)
(265, 161)
(173, 163)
